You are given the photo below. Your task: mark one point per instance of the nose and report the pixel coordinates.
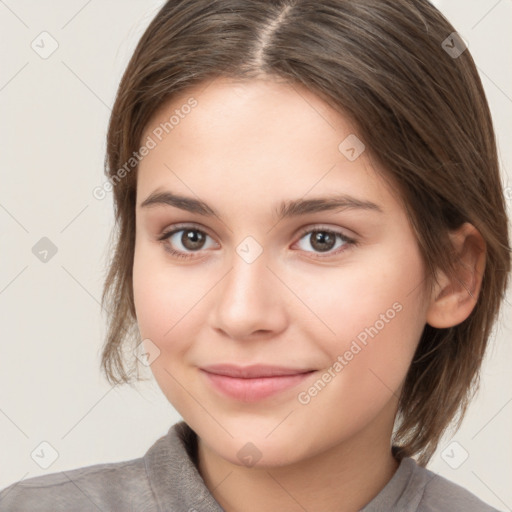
(249, 302)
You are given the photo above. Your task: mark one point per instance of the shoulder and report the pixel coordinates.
(163, 479)
(119, 485)
(439, 494)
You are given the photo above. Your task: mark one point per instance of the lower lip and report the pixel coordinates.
(252, 390)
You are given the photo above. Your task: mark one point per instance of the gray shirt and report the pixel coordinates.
(166, 479)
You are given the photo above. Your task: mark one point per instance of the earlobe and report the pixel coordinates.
(453, 299)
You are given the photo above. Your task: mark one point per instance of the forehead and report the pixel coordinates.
(273, 102)
(257, 138)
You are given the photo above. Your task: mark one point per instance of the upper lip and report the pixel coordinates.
(252, 371)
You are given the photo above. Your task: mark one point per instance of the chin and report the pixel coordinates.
(252, 448)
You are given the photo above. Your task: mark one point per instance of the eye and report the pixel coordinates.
(191, 238)
(324, 240)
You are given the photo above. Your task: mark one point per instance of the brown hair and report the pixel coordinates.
(420, 109)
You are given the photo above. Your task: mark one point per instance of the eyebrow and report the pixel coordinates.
(287, 209)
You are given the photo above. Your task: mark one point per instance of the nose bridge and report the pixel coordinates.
(248, 276)
(248, 296)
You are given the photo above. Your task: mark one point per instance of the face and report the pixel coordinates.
(283, 322)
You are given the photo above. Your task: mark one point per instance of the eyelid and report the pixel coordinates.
(325, 227)
(302, 231)
(182, 226)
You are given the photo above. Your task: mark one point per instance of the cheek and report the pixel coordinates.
(348, 300)
(169, 301)
(367, 362)
(151, 298)
(164, 303)
(372, 315)
(155, 290)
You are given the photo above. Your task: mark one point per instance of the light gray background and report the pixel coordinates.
(54, 115)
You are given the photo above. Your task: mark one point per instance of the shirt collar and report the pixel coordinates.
(175, 480)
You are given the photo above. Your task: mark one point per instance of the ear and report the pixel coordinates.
(453, 300)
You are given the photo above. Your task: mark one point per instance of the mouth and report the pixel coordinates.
(253, 383)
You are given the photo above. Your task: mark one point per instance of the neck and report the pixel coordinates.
(343, 479)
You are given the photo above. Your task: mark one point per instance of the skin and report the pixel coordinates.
(243, 149)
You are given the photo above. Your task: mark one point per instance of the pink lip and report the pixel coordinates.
(253, 383)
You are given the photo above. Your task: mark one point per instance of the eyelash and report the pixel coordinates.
(166, 235)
